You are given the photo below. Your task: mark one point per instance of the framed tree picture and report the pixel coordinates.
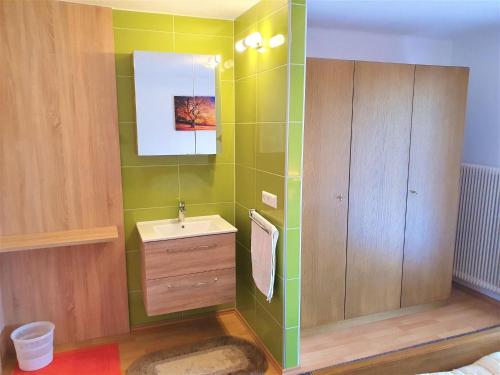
(194, 113)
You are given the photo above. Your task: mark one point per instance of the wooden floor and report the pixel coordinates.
(140, 342)
(463, 313)
(441, 335)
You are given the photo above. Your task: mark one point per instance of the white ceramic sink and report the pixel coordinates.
(191, 227)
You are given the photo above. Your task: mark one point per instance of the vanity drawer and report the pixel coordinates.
(180, 293)
(188, 255)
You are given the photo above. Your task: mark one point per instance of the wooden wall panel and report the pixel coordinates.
(59, 166)
(378, 186)
(327, 140)
(436, 148)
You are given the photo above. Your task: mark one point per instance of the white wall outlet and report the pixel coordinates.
(269, 199)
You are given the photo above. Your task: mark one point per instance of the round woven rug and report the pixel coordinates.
(224, 355)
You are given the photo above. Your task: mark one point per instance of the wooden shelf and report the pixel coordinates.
(73, 237)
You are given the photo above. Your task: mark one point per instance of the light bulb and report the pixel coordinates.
(240, 46)
(261, 49)
(254, 40)
(276, 40)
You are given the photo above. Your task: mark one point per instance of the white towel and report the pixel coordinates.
(264, 254)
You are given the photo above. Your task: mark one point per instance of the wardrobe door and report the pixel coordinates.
(378, 186)
(327, 140)
(436, 147)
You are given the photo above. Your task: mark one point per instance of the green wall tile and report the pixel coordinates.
(293, 204)
(144, 21)
(245, 144)
(125, 93)
(150, 186)
(245, 21)
(206, 183)
(245, 186)
(133, 270)
(270, 144)
(270, 26)
(275, 307)
(245, 62)
(128, 149)
(273, 184)
(138, 313)
(208, 45)
(226, 210)
(272, 95)
(127, 41)
(151, 183)
(294, 149)
(131, 217)
(292, 339)
(262, 100)
(243, 224)
(280, 253)
(245, 303)
(244, 276)
(246, 96)
(227, 101)
(205, 26)
(298, 50)
(270, 332)
(292, 253)
(296, 93)
(292, 303)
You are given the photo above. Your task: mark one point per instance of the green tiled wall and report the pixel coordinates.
(261, 112)
(294, 182)
(268, 138)
(153, 185)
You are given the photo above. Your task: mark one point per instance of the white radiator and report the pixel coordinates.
(477, 245)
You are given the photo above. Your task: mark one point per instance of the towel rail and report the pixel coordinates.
(250, 215)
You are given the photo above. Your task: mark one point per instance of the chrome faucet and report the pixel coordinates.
(182, 210)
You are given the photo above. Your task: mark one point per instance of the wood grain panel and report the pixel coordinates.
(59, 166)
(378, 186)
(436, 148)
(186, 292)
(463, 313)
(327, 140)
(21, 242)
(188, 255)
(441, 356)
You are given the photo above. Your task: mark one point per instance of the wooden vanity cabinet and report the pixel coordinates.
(188, 273)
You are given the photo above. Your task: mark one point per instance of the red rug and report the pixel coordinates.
(102, 360)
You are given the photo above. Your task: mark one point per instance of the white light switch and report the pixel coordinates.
(269, 199)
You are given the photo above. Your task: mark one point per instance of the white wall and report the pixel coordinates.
(479, 51)
(360, 45)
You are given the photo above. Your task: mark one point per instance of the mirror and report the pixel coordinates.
(175, 103)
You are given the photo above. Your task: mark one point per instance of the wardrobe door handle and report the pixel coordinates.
(340, 197)
(414, 192)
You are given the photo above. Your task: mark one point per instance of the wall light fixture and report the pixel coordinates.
(255, 40)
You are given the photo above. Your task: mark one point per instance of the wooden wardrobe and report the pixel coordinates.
(382, 148)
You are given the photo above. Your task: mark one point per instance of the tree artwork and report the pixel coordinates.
(194, 113)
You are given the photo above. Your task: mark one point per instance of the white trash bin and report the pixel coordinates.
(34, 343)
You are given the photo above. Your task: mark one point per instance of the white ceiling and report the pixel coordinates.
(431, 18)
(223, 9)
